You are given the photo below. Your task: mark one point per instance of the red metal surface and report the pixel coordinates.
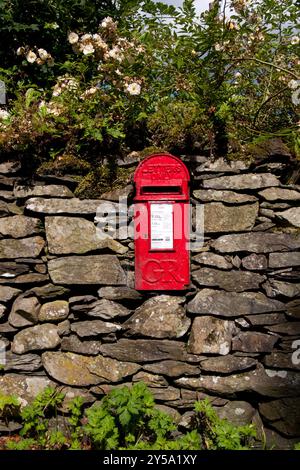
(161, 233)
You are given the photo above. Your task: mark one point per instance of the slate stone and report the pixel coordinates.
(265, 319)
(119, 293)
(103, 308)
(256, 242)
(49, 291)
(54, 311)
(8, 168)
(287, 289)
(98, 269)
(265, 382)
(221, 218)
(280, 194)
(252, 341)
(151, 380)
(219, 303)
(77, 370)
(290, 328)
(8, 293)
(291, 216)
(281, 360)
(22, 248)
(247, 181)
(51, 190)
(172, 368)
(36, 338)
(228, 197)
(74, 344)
(239, 413)
(283, 415)
(71, 206)
(24, 311)
(227, 364)
(284, 260)
(93, 328)
(146, 350)
(162, 316)
(212, 259)
(25, 362)
(66, 235)
(19, 226)
(232, 281)
(4, 209)
(255, 262)
(210, 335)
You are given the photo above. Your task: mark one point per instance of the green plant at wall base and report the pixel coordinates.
(297, 446)
(217, 433)
(36, 416)
(9, 407)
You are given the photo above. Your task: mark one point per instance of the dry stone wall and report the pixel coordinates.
(70, 316)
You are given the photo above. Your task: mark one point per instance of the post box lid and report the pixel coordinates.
(162, 173)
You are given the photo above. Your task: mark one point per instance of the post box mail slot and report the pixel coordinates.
(161, 224)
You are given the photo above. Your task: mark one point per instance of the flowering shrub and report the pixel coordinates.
(163, 76)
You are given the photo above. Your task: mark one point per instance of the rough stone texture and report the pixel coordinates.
(74, 344)
(24, 387)
(222, 165)
(52, 190)
(251, 341)
(214, 302)
(293, 309)
(257, 242)
(94, 328)
(4, 209)
(119, 293)
(266, 382)
(238, 413)
(143, 350)
(227, 364)
(25, 362)
(63, 206)
(283, 415)
(49, 291)
(267, 319)
(36, 338)
(172, 368)
(118, 194)
(8, 168)
(99, 269)
(103, 308)
(24, 311)
(54, 311)
(151, 380)
(283, 260)
(232, 281)
(2, 310)
(8, 293)
(287, 289)
(292, 216)
(228, 197)
(66, 235)
(280, 194)
(78, 370)
(211, 259)
(248, 181)
(159, 317)
(210, 335)
(19, 226)
(255, 262)
(221, 218)
(291, 328)
(23, 248)
(282, 360)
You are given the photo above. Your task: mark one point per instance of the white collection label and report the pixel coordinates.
(161, 226)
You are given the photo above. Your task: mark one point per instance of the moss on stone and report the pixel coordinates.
(65, 164)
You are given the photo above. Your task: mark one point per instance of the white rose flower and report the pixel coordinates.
(86, 37)
(31, 57)
(218, 47)
(88, 49)
(107, 22)
(73, 38)
(43, 54)
(4, 114)
(20, 50)
(90, 92)
(133, 89)
(237, 74)
(295, 40)
(57, 90)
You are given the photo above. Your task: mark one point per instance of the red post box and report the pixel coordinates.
(161, 224)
